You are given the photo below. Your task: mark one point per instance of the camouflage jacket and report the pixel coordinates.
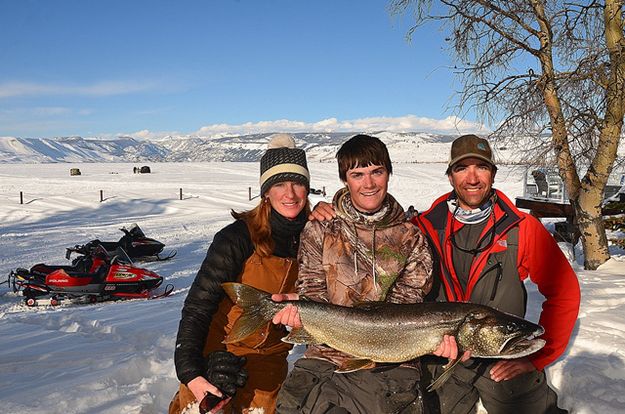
(360, 258)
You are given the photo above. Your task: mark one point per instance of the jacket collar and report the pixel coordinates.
(435, 219)
(391, 214)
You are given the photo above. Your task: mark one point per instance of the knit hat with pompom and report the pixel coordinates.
(283, 162)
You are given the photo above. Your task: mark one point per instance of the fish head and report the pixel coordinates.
(489, 333)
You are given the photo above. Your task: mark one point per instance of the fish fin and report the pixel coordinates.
(449, 369)
(258, 309)
(299, 336)
(355, 364)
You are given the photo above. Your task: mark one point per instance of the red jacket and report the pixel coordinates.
(537, 257)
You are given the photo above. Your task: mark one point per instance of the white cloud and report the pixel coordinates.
(45, 111)
(143, 134)
(39, 111)
(108, 88)
(42, 119)
(146, 134)
(407, 123)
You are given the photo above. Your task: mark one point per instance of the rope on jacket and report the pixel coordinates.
(360, 249)
(375, 283)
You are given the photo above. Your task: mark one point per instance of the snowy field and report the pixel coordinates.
(118, 357)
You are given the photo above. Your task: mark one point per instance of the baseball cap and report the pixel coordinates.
(470, 146)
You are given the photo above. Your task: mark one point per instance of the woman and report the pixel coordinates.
(258, 249)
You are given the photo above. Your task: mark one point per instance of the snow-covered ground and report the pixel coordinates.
(118, 357)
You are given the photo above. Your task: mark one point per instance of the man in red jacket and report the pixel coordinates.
(485, 248)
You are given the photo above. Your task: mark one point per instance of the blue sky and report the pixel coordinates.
(150, 68)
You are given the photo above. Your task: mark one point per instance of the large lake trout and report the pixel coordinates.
(388, 332)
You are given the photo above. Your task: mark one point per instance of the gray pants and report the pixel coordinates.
(524, 394)
(313, 387)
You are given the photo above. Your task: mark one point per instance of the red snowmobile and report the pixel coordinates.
(95, 275)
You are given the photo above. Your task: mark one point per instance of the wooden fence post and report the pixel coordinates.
(181, 193)
(101, 196)
(21, 198)
(249, 196)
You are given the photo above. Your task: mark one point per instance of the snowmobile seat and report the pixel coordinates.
(79, 269)
(41, 269)
(109, 246)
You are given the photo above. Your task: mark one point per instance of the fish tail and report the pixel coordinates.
(258, 310)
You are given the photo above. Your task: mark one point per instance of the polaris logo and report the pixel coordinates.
(123, 275)
(109, 287)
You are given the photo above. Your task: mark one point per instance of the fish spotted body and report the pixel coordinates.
(388, 332)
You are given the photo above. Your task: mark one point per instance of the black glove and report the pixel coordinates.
(225, 371)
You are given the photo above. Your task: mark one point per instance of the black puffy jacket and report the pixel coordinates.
(224, 261)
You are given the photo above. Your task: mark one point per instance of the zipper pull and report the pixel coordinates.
(497, 280)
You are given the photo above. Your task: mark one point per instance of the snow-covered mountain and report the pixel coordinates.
(403, 147)
(78, 149)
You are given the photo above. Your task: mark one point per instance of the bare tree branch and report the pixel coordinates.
(550, 70)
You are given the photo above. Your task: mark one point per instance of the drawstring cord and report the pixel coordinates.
(373, 264)
(375, 282)
(355, 251)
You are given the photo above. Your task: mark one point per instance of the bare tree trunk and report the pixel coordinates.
(588, 203)
(586, 195)
(590, 222)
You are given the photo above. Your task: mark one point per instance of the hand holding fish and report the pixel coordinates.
(510, 368)
(448, 348)
(288, 315)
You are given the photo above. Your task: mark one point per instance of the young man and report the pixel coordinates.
(368, 252)
(485, 248)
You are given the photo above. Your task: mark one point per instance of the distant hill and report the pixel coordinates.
(403, 147)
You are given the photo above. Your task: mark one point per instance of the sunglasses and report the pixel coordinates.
(211, 404)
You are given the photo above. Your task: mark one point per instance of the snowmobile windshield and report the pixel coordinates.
(135, 231)
(96, 249)
(120, 256)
